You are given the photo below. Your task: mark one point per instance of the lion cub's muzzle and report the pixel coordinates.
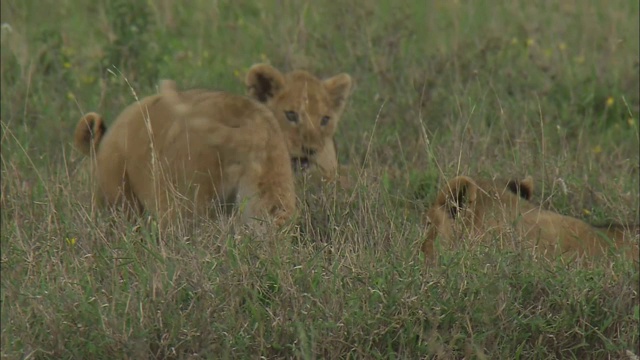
(303, 163)
(300, 164)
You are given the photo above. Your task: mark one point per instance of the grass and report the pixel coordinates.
(484, 88)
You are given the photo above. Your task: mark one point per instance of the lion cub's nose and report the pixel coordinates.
(308, 151)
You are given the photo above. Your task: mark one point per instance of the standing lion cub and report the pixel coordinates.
(188, 151)
(308, 110)
(477, 210)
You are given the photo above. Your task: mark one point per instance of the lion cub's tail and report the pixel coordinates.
(89, 132)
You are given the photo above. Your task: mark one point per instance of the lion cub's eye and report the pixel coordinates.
(324, 121)
(292, 116)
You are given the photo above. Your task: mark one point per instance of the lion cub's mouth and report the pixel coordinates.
(300, 163)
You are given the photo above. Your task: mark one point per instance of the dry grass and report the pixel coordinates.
(442, 88)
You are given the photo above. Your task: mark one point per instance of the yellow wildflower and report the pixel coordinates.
(586, 212)
(88, 79)
(67, 65)
(71, 241)
(597, 149)
(610, 101)
(530, 42)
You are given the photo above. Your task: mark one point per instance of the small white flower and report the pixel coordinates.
(563, 186)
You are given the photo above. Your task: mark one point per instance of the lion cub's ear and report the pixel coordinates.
(338, 88)
(264, 82)
(459, 193)
(522, 188)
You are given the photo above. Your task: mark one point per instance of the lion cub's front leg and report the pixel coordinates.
(266, 190)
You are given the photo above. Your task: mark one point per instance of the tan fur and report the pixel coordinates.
(310, 141)
(190, 150)
(476, 210)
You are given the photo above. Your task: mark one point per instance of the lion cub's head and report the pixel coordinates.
(466, 206)
(307, 108)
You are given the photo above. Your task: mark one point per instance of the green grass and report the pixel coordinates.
(483, 88)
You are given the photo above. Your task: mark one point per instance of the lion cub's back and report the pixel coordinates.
(227, 109)
(236, 128)
(213, 118)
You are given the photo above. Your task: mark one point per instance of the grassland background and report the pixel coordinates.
(484, 88)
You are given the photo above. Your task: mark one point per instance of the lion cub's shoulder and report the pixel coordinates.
(231, 110)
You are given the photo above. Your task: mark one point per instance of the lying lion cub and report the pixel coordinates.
(197, 146)
(476, 210)
(308, 110)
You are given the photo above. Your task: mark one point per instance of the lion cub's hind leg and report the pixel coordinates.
(113, 188)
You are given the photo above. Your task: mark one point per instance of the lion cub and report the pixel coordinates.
(308, 110)
(478, 210)
(186, 151)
